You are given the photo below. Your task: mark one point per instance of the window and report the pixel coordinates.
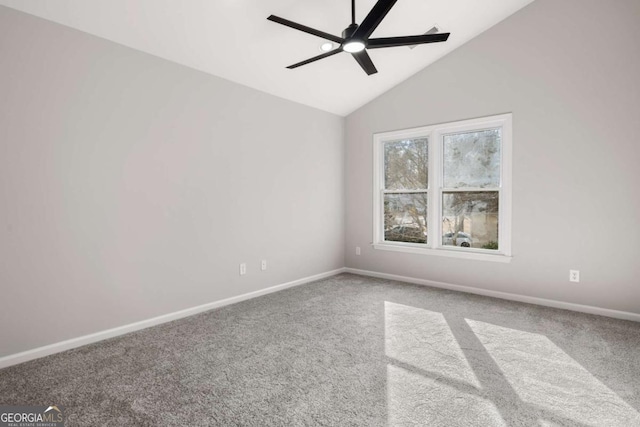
(445, 189)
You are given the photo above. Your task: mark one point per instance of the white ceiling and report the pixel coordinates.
(232, 39)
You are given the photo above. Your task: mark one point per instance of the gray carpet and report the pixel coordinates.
(350, 350)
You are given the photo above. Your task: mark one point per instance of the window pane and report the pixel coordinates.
(406, 164)
(470, 219)
(472, 159)
(405, 217)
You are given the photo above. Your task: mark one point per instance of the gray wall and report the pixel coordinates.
(569, 72)
(132, 187)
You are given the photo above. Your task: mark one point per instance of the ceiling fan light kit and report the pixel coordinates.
(326, 47)
(353, 46)
(355, 38)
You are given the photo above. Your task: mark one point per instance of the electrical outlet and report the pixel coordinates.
(357, 250)
(243, 269)
(263, 265)
(574, 275)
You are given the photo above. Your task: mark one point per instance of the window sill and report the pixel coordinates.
(451, 253)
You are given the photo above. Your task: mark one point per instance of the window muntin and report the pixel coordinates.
(450, 180)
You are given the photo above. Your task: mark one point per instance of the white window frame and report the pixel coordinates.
(435, 134)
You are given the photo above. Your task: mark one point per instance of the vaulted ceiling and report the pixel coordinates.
(232, 39)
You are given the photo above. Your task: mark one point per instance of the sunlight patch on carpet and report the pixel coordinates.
(412, 397)
(545, 376)
(422, 339)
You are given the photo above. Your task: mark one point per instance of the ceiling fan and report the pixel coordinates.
(355, 38)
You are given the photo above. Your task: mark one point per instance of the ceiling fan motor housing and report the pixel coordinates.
(348, 32)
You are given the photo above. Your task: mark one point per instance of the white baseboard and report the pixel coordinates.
(503, 295)
(25, 356)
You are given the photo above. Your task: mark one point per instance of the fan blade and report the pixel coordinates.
(315, 58)
(306, 29)
(365, 62)
(373, 19)
(406, 40)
